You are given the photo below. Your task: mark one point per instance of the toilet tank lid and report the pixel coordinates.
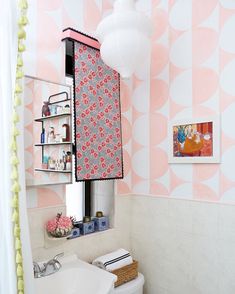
(131, 286)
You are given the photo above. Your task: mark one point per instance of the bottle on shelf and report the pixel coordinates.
(66, 133)
(43, 135)
(69, 161)
(51, 135)
(64, 160)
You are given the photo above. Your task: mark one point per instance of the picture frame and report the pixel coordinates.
(194, 140)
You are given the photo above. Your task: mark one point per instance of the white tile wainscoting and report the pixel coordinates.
(183, 247)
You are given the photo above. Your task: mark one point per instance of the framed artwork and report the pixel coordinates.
(194, 141)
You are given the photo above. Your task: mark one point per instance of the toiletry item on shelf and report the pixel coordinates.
(66, 109)
(53, 109)
(64, 160)
(45, 162)
(59, 109)
(51, 135)
(61, 165)
(51, 163)
(57, 138)
(74, 233)
(101, 221)
(56, 164)
(43, 134)
(87, 226)
(69, 161)
(46, 109)
(66, 133)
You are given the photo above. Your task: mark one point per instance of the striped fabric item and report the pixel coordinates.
(113, 260)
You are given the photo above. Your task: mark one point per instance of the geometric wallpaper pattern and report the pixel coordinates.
(190, 73)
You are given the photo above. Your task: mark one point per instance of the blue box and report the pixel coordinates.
(74, 233)
(86, 228)
(101, 223)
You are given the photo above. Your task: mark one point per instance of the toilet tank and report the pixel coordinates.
(133, 287)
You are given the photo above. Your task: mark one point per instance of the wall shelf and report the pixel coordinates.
(40, 119)
(53, 170)
(51, 144)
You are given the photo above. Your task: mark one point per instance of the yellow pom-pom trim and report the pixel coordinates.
(21, 33)
(17, 101)
(17, 231)
(19, 61)
(17, 244)
(15, 202)
(15, 218)
(16, 187)
(19, 258)
(16, 117)
(21, 47)
(13, 145)
(19, 271)
(23, 20)
(14, 159)
(15, 131)
(23, 4)
(20, 285)
(19, 74)
(18, 89)
(14, 174)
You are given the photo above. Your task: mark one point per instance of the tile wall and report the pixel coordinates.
(184, 247)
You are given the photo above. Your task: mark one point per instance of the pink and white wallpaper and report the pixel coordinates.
(190, 74)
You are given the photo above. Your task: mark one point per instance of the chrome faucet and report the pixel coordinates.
(37, 270)
(54, 263)
(48, 268)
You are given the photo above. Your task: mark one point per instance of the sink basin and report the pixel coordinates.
(76, 277)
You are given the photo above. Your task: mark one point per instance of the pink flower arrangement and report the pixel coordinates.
(60, 226)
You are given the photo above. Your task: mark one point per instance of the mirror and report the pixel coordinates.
(48, 132)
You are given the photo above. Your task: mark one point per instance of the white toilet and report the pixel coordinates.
(133, 287)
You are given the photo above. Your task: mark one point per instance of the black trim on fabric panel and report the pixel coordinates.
(120, 112)
(74, 115)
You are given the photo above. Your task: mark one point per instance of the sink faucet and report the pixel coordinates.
(37, 270)
(54, 263)
(48, 268)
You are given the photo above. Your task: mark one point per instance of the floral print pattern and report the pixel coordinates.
(97, 117)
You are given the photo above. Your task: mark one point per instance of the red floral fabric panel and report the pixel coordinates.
(97, 117)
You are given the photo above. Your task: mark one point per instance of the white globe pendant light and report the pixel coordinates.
(125, 38)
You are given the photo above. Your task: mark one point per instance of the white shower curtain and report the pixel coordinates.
(8, 56)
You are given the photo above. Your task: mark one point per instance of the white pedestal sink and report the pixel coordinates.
(76, 277)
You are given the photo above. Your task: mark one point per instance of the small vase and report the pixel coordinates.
(58, 233)
(46, 109)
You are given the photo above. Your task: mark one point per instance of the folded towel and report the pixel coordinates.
(113, 260)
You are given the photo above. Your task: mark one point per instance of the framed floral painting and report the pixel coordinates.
(194, 141)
